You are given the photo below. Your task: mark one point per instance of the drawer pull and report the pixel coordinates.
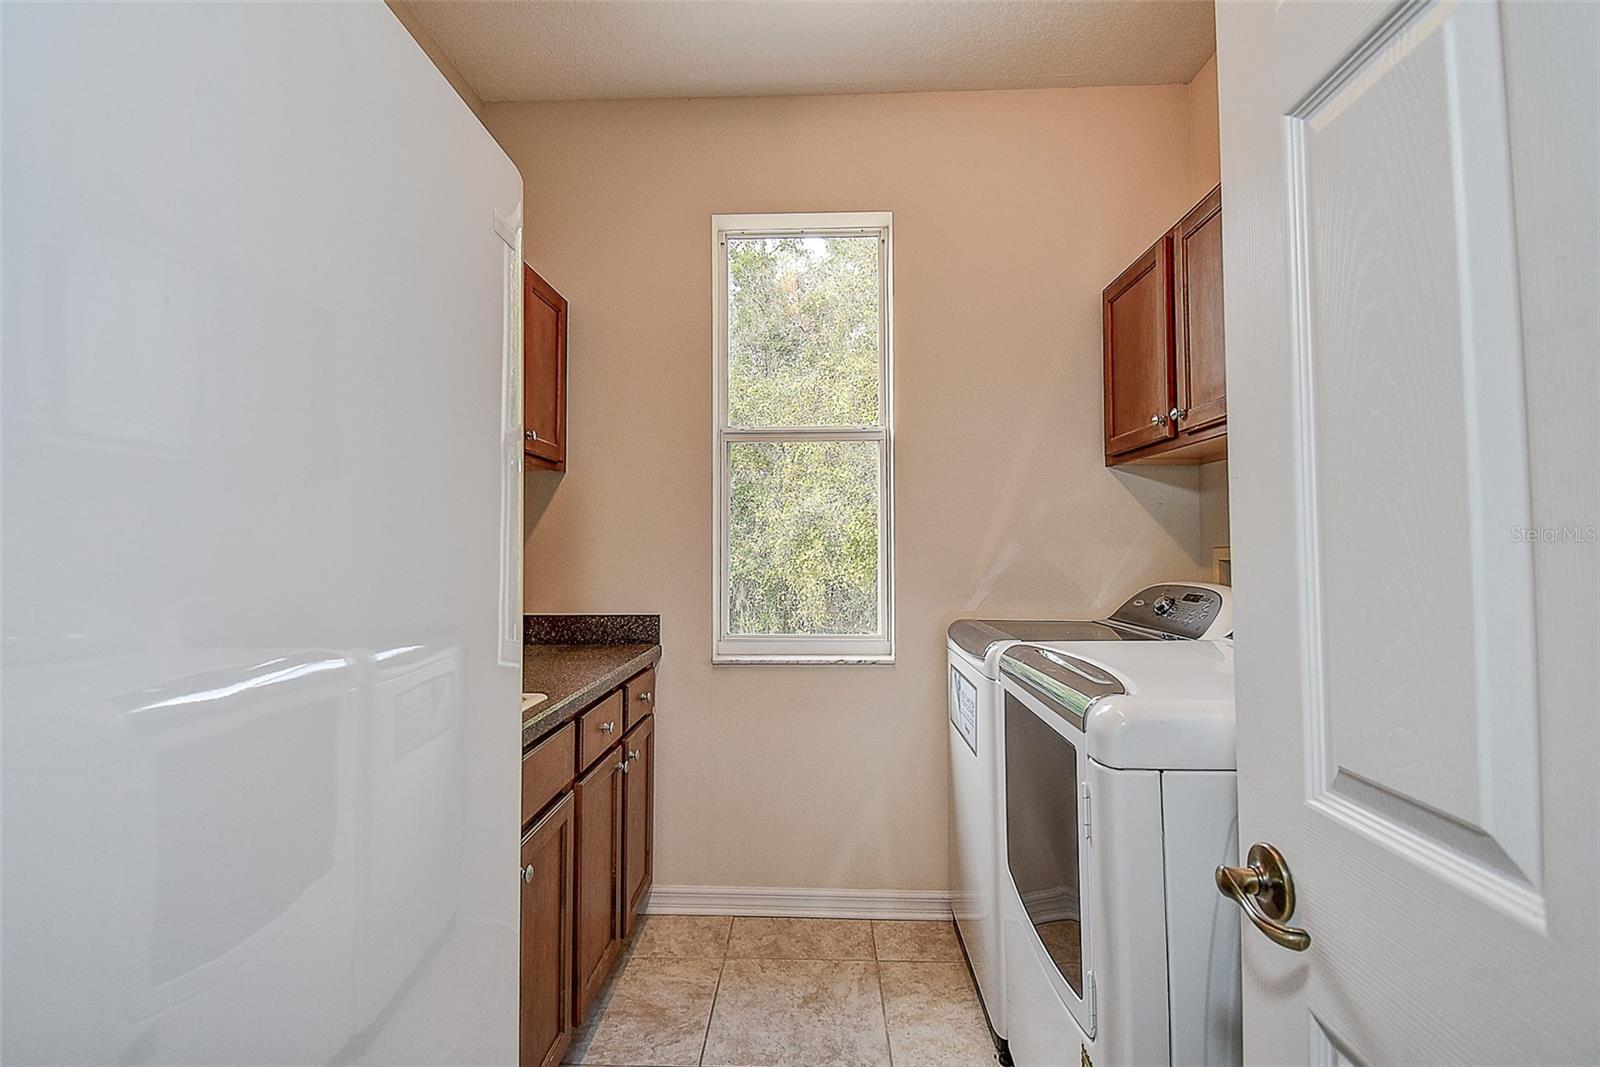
(623, 766)
(608, 727)
(647, 696)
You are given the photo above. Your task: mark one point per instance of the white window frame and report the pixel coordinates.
(802, 648)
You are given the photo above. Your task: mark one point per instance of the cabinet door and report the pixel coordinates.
(638, 819)
(1137, 312)
(599, 869)
(547, 897)
(1197, 276)
(544, 372)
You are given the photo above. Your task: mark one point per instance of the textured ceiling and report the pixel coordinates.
(621, 49)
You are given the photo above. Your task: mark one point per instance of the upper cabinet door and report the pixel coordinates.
(544, 372)
(1197, 277)
(1139, 352)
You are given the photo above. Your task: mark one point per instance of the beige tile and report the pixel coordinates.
(698, 937)
(935, 1019)
(925, 942)
(798, 1013)
(652, 1014)
(800, 939)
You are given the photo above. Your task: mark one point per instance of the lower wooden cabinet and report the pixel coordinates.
(545, 1025)
(587, 863)
(638, 820)
(599, 869)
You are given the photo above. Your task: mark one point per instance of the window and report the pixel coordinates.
(804, 459)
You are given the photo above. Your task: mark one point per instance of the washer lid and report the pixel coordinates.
(1066, 685)
(977, 636)
(1175, 711)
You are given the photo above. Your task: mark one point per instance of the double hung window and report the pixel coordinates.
(803, 453)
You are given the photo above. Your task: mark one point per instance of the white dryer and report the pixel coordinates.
(1165, 612)
(1117, 772)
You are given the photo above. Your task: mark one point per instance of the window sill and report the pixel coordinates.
(835, 658)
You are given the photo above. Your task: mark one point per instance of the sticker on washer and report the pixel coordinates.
(964, 708)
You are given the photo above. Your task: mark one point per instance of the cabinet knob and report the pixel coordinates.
(1177, 413)
(532, 435)
(527, 874)
(647, 696)
(1158, 420)
(633, 754)
(623, 766)
(608, 727)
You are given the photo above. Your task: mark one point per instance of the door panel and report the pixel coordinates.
(1137, 310)
(638, 819)
(1197, 272)
(546, 1001)
(1400, 313)
(544, 379)
(599, 900)
(1420, 434)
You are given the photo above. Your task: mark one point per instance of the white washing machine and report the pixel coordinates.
(1120, 800)
(1170, 611)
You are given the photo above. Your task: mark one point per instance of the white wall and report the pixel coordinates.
(1011, 211)
(259, 756)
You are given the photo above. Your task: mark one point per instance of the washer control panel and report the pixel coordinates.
(1178, 611)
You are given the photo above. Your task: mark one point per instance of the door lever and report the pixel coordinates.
(1265, 890)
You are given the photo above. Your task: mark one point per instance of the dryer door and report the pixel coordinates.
(1047, 852)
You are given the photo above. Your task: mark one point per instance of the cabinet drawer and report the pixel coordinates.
(599, 728)
(641, 690)
(547, 770)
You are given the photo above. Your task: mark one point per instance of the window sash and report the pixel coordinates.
(801, 648)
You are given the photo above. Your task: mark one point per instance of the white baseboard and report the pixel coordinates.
(798, 903)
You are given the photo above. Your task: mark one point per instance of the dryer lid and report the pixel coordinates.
(1065, 684)
(1176, 712)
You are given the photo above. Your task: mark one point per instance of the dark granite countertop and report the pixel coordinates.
(575, 676)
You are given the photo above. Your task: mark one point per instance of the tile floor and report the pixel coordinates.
(753, 992)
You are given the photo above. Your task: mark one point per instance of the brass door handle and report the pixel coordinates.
(1265, 890)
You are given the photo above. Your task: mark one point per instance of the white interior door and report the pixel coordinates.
(1411, 259)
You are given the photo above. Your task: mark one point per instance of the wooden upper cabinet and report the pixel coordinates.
(545, 1014)
(1197, 276)
(544, 372)
(1166, 396)
(1137, 311)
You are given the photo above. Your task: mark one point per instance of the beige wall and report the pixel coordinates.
(1205, 146)
(1011, 211)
